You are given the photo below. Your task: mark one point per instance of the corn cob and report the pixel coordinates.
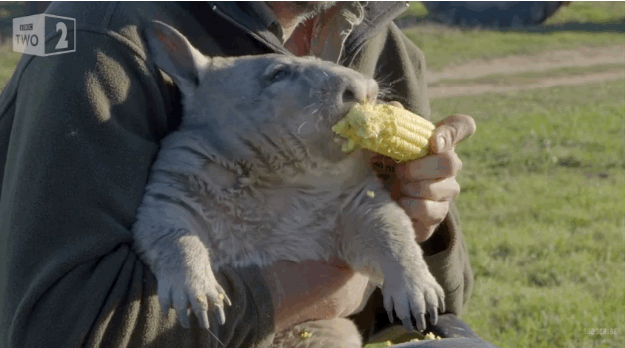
(385, 129)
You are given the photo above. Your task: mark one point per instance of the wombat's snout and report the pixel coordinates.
(355, 88)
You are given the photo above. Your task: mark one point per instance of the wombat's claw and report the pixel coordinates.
(221, 317)
(441, 302)
(433, 311)
(197, 297)
(221, 314)
(215, 303)
(225, 298)
(409, 298)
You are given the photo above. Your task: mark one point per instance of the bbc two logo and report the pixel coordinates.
(44, 35)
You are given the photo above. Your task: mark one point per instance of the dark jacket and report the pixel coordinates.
(78, 133)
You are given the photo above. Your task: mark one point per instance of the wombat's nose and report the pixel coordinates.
(358, 90)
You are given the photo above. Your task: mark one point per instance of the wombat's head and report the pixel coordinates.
(267, 107)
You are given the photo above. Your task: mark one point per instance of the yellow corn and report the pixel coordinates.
(385, 129)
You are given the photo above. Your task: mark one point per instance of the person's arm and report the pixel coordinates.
(85, 130)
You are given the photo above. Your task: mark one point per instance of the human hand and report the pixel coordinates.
(313, 290)
(425, 187)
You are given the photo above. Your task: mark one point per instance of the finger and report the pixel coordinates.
(439, 166)
(451, 131)
(423, 231)
(426, 211)
(433, 190)
(397, 104)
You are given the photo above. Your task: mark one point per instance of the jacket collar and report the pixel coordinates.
(377, 16)
(255, 20)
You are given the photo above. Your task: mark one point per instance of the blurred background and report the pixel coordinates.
(543, 182)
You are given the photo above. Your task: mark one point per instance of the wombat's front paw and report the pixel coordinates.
(192, 289)
(410, 294)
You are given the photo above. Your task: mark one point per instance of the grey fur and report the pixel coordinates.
(254, 175)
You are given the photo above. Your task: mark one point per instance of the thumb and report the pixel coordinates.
(451, 131)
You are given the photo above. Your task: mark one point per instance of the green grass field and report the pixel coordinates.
(542, 185)
(543, 213)
(8, 61)
(579, 24)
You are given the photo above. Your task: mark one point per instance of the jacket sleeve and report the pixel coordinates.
(399, 67)
(86, 129)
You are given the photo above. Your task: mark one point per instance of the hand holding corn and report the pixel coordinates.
(426, 185)
(385, 129)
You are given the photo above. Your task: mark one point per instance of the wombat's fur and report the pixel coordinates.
(254, 175)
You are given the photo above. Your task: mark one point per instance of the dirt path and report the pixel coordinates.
(454, 91)
(581, 57)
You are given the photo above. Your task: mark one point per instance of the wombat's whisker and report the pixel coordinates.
(396, 81)
(317, 123)
(300, 127)
(386, 93)
(382, 80)
(386, 89)
(220, 342)
(309, 106)
(383, 92)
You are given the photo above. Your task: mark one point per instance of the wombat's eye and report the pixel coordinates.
(279, 74)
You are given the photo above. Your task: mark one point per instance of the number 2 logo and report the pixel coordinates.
(63, 41)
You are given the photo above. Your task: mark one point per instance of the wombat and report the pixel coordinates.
(255, 175)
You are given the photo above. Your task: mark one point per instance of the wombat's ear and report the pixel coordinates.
(173, 53)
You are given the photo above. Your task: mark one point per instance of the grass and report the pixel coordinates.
(415, 10)
(573, 26)
(8, 11)
(8, 61)
(542, 186)
(589, 12)
(542, 204)
(542, 211)
(530, 77)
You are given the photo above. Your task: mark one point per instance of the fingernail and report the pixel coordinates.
(440, 143)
